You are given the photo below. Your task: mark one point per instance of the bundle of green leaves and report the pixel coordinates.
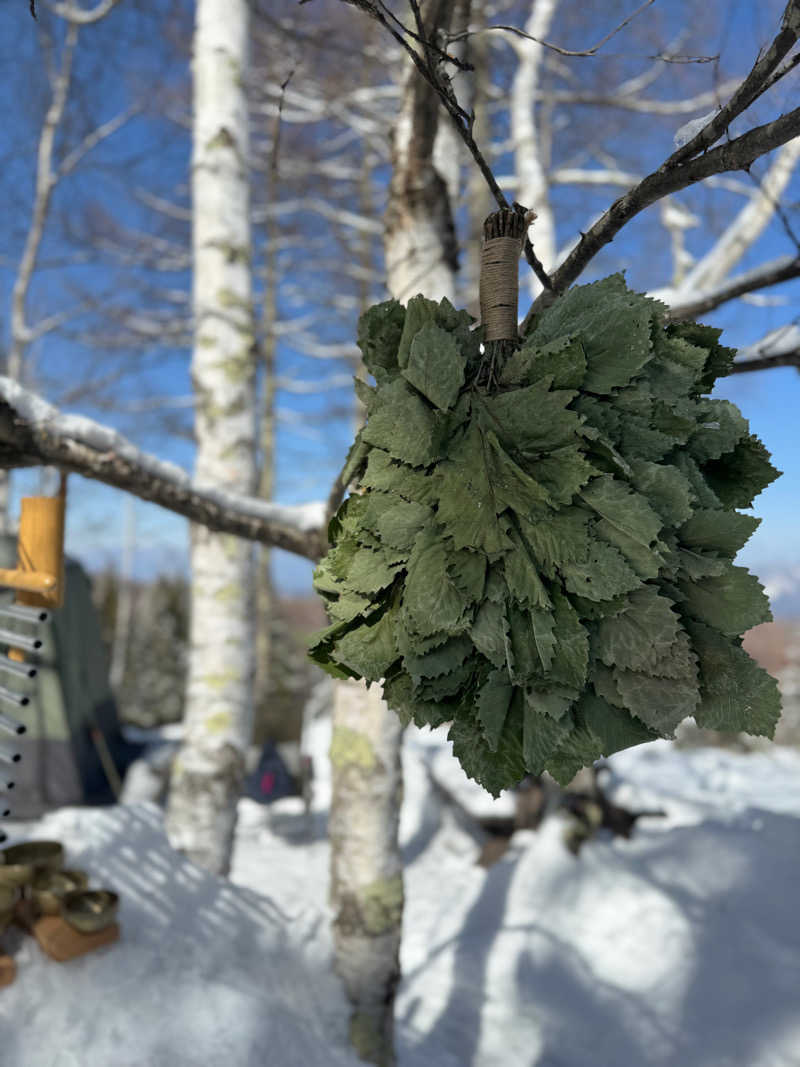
(546, 562)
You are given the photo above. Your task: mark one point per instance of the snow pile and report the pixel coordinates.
(205, 973)
(678, 947)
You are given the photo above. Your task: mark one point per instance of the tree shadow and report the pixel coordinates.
(458, 1026)
(721, 985)
(257, 976)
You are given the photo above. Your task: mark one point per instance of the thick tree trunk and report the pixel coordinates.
(366, 865)
(207, 774)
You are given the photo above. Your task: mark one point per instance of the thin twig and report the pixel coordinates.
(420, 36)
(738, 154)
(548, 44)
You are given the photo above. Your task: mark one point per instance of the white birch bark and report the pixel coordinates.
(366, 865)
(420, 241)
(207, 773)
(529, 164)
(748, 225)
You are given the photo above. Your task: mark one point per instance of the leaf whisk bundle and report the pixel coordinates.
(543, 556)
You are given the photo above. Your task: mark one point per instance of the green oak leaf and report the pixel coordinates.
(404, 426)
(379, 332)
(602, 576)
(737, 694)
(492, 704)
(435, 366)
(431, 599)
(613, 325)
(739, 476)
(717, 530)
(731, 602)
(563, 360)
(531, 419)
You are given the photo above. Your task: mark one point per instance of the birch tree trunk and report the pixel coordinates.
(208, 770)
(366, 865)
(531, 168)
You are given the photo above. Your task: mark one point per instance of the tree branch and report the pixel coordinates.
(777, 270)
(79, 16)
(34, 432)
(786, 359)
(738, 154)
(554, 47)
(761, 77)
(779, 348)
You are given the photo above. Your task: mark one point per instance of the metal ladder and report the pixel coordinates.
(12, 671)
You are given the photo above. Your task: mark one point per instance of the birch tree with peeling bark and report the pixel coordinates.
(52, 167)
(366, 865)
(208, 770)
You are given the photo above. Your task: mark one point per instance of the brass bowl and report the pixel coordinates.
(47, 854)
(15, 874)
(49, 887)
(89, 910)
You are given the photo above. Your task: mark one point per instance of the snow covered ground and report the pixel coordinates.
(678, 948)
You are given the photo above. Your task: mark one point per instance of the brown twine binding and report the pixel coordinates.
(504, 234)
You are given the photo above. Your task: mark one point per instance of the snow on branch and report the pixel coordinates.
(682, 306)
(779, 348)
(35, 432)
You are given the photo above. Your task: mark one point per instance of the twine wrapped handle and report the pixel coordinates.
(503, 238)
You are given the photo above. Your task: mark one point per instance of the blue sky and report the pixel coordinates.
(155, 154)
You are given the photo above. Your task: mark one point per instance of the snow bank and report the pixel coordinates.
(205, 973)
(677, 948)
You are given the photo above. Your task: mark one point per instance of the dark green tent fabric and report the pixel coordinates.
(69, 698)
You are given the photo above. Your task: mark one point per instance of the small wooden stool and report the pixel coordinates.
(61, 942)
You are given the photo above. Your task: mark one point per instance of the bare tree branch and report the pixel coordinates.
(629, 102)
(45, 184)
(762, 77)
(785, 359)
(34, 432)
(737, 154)
(779, 348)
(554, 47)
(79, 16)
(772, 273)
